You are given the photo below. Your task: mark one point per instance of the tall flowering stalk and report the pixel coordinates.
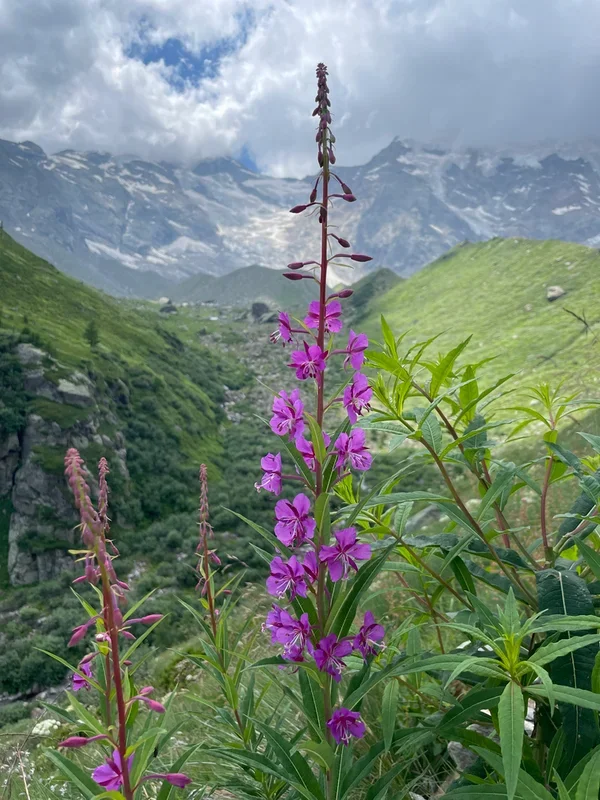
(316, 567)
(124, 768)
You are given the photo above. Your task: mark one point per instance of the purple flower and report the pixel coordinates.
(271, 481)
(333, 313)
(308, 363)
(344, 724)
(344, 554)
(356, 396)
(307, 450)
(284, 331)
(286, 577)
(288, 412)
(78, 681)
(273, 622)
(368, 639)
(311, 566)
(329, 654)
(110, 774)
(294, 526)
(293, 634)
(357, 344)
(351, 448)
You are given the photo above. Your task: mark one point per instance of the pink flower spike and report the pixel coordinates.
(288, 414)
(344, 724)
(333, 313)
(356, 396)
(286, 577)
(357, 344)
(369, 638)
(343, 555)
(294, 525)
(310, 363)
(284, 331)
(330, 653)
(78, 681)
(110, 774)
(307, 450)
(271, 481)
(351, 449)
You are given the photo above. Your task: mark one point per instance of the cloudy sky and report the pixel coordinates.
(187, 79)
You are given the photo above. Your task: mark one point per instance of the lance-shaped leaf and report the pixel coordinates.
(511, 721)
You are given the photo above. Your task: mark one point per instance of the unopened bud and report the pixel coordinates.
(343, 242)
(298, 209)
(345, 188)
(81, 741)
(358, 257)
(294, 276)
(313, 195)
(296, 265)
(150, 619)
(349, 198)
(345, 293)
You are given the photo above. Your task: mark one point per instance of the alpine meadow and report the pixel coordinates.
(299, 477)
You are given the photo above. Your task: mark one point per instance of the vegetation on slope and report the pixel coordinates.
(497, 290)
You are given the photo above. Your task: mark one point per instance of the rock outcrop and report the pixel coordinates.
(42, 517)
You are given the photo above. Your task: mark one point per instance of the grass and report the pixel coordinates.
(496, 291)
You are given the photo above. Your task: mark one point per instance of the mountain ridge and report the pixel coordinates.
(111, 219)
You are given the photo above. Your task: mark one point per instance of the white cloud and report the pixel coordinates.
(472, 71)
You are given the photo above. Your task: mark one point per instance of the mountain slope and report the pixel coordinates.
(497, 292)
(245, 286)
(148, 401)
(109, 219)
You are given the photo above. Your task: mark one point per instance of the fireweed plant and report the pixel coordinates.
(107, 669)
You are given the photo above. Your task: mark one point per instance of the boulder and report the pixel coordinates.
(75, 394)
(554, 292)
(29, 355)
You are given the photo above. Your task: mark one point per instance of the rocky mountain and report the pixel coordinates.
(136, 227)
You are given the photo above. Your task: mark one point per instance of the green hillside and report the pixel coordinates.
(152, 394)
(245, 286)
(496, 291)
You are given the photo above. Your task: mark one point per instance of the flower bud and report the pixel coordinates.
(150, 619)
(343, 242)
(345, 188)
(296, 265)
(313, 195)
(349, 198)
(345, 293)
(298, 209)
(358, 257)
(294, 276)
(178, 779)
(154, 705)
(77, 636)
(81, 741)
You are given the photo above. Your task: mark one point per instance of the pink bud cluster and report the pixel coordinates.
(317, 562)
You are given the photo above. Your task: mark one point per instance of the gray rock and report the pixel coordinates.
(10, 450)
(554, 292)
(29, 355)
(76, 394)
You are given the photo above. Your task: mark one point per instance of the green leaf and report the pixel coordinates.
(294, 764)
(511, 721)
(588, 786)
(469, 393)
(500, 484)
(547, 653)
(378, 790)
(389, 708)
(566, 694)
(495, 792)
(465, 710)
(388, 364)
(591, 557)
(564, 593)
(388, 338)
(430, 427)
(80, 779)
(443, 369)
(462, 575)
(316, 435)
(312, 701)
(528, 787)
(320, 751)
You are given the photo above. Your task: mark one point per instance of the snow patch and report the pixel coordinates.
(559, 212)
(111, 252)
